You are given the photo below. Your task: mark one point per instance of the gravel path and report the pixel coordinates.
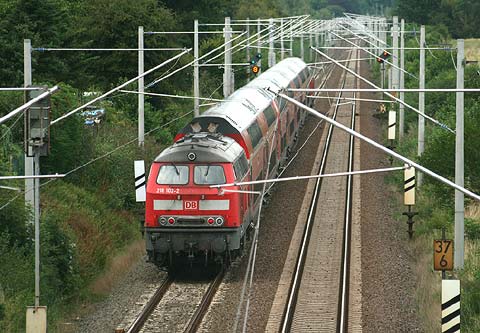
(388, 280)
(107, 314)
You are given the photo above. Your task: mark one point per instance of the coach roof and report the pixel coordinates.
(206, 147)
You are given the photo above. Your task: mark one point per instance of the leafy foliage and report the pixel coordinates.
(460, 16)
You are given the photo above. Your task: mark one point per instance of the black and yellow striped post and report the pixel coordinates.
(392, 122)
(409, 196)
(450, 306)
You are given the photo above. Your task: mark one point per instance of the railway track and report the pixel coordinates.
(318, 296)
(169, 309)
(176, 306)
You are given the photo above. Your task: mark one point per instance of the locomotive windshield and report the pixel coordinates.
(209, 175)
(173, 175)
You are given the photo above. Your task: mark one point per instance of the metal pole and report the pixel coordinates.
(141, 84)
(291, 38)
(310, 45)
(302, 49)
(459, 160)
(282, 49)
(384, 32)
(259, 50)
(196, 73)
(390, 78)
(27, 81)
(394, 69)
(401, 128)
(421, 102)
(37, 227)
(247, 27)
(227, 74)
(370, 27)
(271, 52)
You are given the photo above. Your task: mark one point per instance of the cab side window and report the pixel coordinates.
(240, 166)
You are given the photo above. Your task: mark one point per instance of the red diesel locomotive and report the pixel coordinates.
(228, 143)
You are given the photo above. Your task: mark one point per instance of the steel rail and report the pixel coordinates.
(202, 309)
(150, 306)
(295, 285)
(342, 320)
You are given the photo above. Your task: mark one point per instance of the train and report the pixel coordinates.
(246, 137)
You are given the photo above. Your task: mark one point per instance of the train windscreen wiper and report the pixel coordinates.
(176, 169)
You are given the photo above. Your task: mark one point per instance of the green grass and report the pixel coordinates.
(472, 49)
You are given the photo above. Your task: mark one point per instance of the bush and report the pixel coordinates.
(472, 229)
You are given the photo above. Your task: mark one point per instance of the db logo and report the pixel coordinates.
(192, 205)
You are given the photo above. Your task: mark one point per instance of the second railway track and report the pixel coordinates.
(318, 296)
(177, 305)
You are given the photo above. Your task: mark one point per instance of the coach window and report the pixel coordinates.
(282, 103)
(173, 175)
(255, 133)
(209, 175)
(296, 80)
(270, 115)
(302, 76)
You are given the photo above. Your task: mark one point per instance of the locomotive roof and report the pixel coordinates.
(207, 148)
(242, 107)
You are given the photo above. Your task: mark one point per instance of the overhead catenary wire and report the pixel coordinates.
(373, 54)
(381, 147)
(110, 152)
(406, 90)
(32, 177)
(239, 45)
(151, 84)
(119, 87)
(25, 106)
(100, 157)
(50, 49)
(325, 175)
(355, 99)
(386, 93)
(172, 96)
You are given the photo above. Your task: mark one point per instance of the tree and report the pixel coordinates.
(42, 21)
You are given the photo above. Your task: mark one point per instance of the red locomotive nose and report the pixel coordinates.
(171, 220)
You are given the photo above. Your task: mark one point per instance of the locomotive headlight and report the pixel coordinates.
(219, 221)
(171, 220)
(210, 220)
(191, 156)
(163, 221)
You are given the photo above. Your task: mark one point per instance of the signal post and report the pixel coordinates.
(37, 143)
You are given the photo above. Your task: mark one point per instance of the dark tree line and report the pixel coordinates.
(459, 16)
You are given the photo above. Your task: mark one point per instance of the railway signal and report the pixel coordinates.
(382, 57)
(37, 123)
(254, 66)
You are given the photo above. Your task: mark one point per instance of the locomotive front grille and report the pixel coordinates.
(173, 221)
(191, 221)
